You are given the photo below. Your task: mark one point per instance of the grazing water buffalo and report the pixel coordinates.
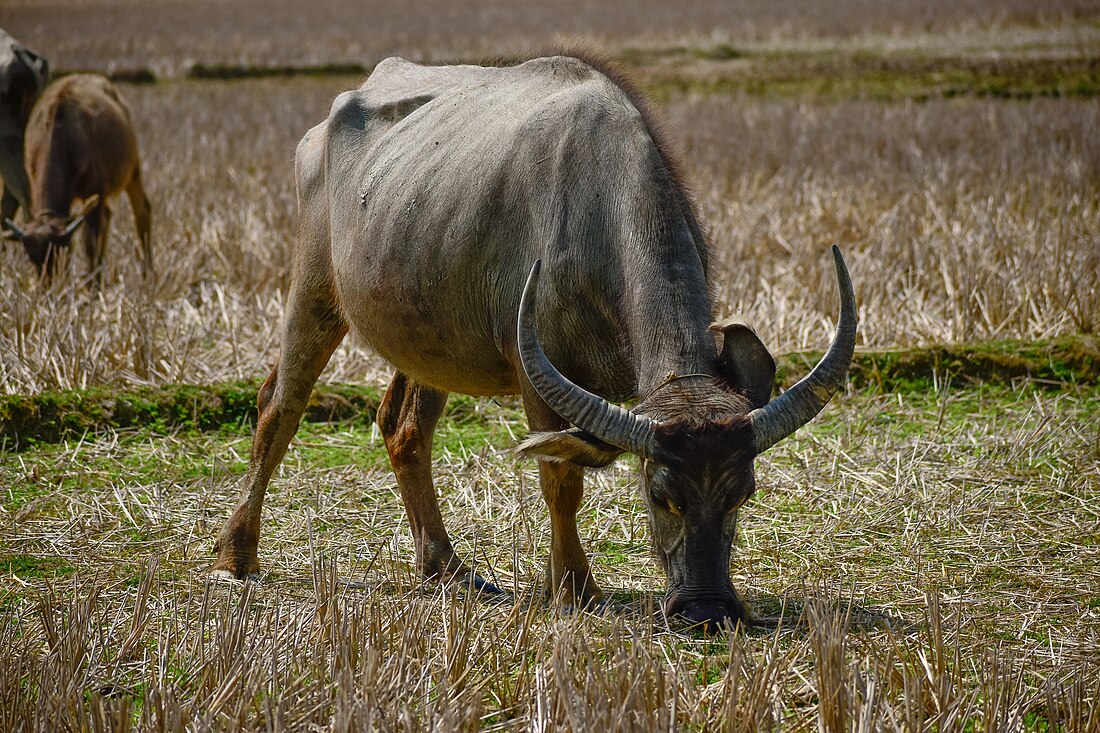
(80, 145)
(426, 200)
(23, 76)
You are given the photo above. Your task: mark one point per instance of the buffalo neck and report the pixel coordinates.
(668, 307)
(52, 167)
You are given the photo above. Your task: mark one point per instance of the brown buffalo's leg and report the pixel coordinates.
(313, 330)
(143, 221)
(567, 571)
(8, 203)
(96, 226)
(407, 418)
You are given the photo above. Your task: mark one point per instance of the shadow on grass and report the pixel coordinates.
(640, 610)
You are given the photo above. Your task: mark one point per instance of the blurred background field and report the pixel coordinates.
(169, 35)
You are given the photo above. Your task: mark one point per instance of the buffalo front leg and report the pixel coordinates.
(8, 203)
(407, 418)
(568, 575)
(313, 330)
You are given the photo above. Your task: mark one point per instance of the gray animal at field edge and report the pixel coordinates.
(426, 199)
(80, 146)
(23, 75)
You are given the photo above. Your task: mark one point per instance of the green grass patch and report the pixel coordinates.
(468, 427)
(1067, 360)
(833, 73)
(52, 417)
(34, 566)
(227, 72)
(841, 74)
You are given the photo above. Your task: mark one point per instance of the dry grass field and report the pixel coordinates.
(932, 546)
(961, 219)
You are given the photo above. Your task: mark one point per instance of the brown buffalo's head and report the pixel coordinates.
(48, 233)
(697, 436)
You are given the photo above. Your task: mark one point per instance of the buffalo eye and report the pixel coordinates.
(659, 478)
(663, 502)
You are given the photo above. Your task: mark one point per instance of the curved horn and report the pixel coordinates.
(89, 204)
(591, 413)
(13, 232)
(798, 405)
(72, 225)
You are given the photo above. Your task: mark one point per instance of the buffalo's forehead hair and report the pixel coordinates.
(706, 444)
(710, 463)
(704, 435)
(694, 400)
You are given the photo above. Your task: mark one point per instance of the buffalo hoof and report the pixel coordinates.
(573, 591)
(471, 581)
(227, 576)
(707, 618)
(587, 602)
(236, 566)
(595, 606)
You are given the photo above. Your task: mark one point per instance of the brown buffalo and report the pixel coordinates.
(80, 145)
(426, 200)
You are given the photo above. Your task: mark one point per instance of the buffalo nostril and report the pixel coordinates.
(708, 616)
(705, 617)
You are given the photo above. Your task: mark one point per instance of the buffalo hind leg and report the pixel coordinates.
(96, 227)
(143, 221)
(407, 418)
(314, 328)
(562, 484)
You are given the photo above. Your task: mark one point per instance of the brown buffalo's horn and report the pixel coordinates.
(798, 405)
(13, 232)
(591, 413)
(72, 225)
(89, 204)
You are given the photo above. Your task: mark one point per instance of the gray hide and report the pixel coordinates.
(23, 76)
(445, 184)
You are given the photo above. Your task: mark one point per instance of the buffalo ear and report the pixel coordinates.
(745, 362)
(89, 203)
(570, 446)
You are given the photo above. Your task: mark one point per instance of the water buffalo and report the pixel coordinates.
(23, 76)
(80, 146)
(426, 200)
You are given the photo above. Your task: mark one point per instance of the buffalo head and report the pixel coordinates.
(697, 436)
(47, 233)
